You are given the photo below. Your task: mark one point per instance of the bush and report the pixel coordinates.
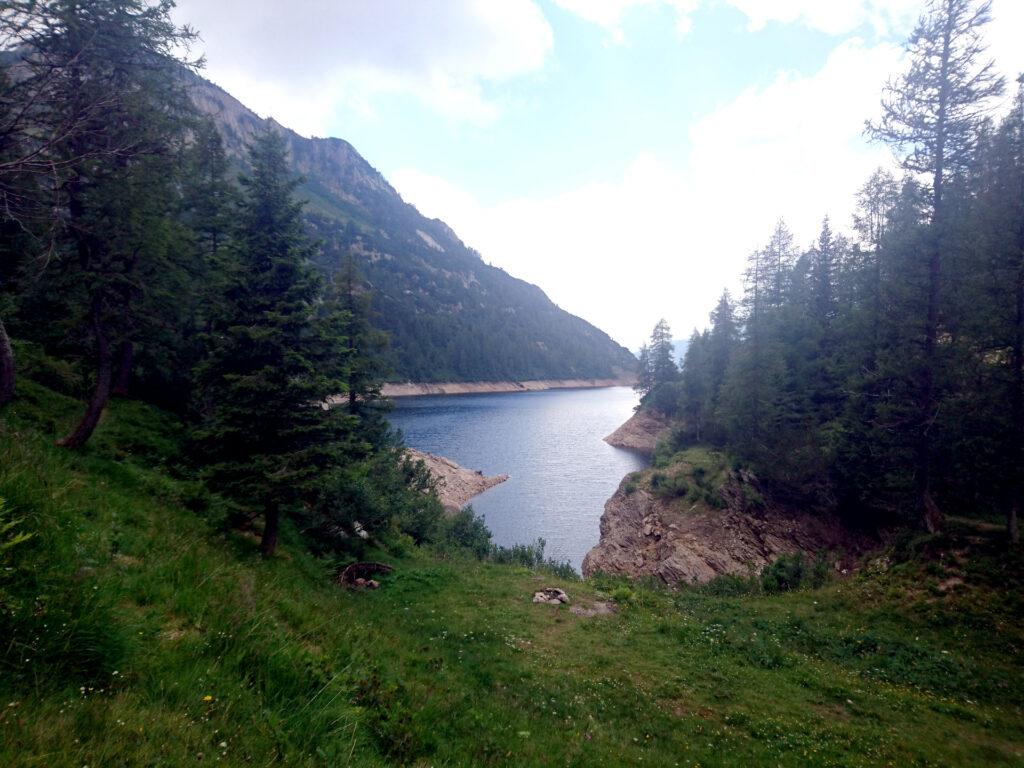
(731, 585)
(666, 487)
(59, 375)
(467, 531)
(623, 595)
(785, 574)
(790, 572)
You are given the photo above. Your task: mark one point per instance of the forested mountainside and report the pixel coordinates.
(450, 316)
(882, 375)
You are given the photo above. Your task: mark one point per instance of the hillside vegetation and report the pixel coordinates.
(881, 375)
(139, 630)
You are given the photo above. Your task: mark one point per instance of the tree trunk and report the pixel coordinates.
(101, 391)
(7, 372)
(123, 377)
(929, 510)
(268, 542)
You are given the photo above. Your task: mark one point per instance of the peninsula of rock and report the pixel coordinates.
(455, 485)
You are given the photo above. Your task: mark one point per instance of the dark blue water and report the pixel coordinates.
(561, 471)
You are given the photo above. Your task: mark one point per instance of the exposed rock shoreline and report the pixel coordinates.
(455, 485)
(641, 432)
(412, 389)
(698, 518)
(642, 535)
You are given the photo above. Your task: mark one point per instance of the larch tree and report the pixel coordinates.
(124, 54)
(931, 115)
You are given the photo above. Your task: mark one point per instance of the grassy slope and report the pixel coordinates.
(145, 609)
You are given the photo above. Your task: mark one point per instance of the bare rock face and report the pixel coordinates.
(641, 432)
(455, 485)
(678, 542)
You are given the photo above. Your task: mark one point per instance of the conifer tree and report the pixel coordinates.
(931, 115)
(662, 355)
(116, 178)
(364, 343)
(644, 376)
(266, 429)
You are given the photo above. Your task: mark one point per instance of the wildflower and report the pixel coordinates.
(207, 697)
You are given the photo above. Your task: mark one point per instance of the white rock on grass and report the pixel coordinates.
(551, 596)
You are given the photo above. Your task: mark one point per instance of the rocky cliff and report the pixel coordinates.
(697, 519)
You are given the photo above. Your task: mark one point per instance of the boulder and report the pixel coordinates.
(550, 596)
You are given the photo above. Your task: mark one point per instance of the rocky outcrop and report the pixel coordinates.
(455, 485)
(679, 542)
(641, 432)
(411, 389)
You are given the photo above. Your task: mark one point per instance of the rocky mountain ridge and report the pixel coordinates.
(450, 316)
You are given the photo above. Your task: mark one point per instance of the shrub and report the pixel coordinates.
(59, 375)
(623, 595)
(785, 574)
(467, 531)
(731, 585)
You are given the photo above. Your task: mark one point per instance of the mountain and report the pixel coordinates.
(450, 316)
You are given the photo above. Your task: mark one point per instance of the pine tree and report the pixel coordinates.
(274, 365)
(662, 355)
(644, 372)
(365, 344)
(722, 339)
(876, 201)
(932, 115)
(115, 173)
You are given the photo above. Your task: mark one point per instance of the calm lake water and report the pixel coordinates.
(561, 471)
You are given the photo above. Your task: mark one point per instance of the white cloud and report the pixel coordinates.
(660, 240)
(834, 17)
(610, 13)
(1004, 38)
(298, 61)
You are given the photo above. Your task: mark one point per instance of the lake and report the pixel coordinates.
(549, 443)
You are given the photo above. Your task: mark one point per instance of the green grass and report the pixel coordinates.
(138, 632)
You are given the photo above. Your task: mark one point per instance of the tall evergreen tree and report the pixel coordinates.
(662, 355)
(644, 373)
(932, 114)
(123, 54)
(266, 429)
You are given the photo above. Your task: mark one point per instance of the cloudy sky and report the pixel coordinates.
(625, 155)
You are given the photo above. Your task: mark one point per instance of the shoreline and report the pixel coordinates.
(456, 485)
(414, 389)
